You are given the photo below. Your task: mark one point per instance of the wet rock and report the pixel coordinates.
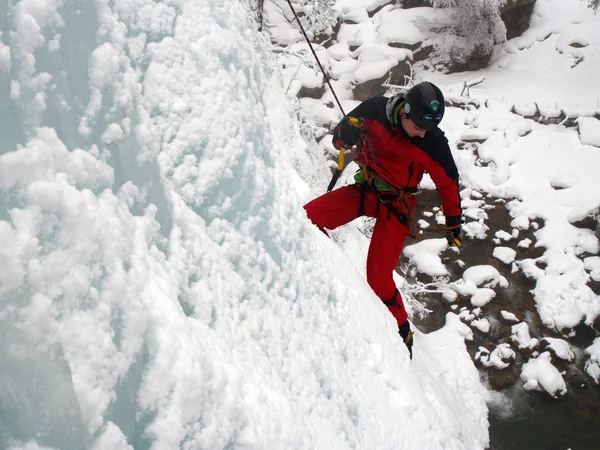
(562, 355)
(502, 379)
(576, 379)
(582, 336)
(596, 324)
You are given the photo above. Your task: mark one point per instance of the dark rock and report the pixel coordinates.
(475, 61)
(591, 223)
(374, 88)
(324, 38)
(516, 15)
(502, 379)
(407, 4)
(596, 324)
(372, 12)
(422, 53)
(411, 47)
(311, 92)
(583, 335)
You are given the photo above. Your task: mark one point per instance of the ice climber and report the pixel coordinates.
(398, 140)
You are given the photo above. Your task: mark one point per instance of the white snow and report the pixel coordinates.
(521, 336)
(539, 373)
(505, 254)
(592, 366)
(589, 131)
(482, 325)
(425, 255)
(500, 358)
(501, 234)
(482, 296)
(509, 316)
(592, 264)
(476, 276)
(561, 348)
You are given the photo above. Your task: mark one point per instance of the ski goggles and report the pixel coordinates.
(431, 118)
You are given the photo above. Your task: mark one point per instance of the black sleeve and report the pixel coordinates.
(372, 109)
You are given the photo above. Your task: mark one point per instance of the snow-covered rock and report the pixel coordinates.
(508, 316)
(539, 374)
(482, 325)
(500, 358)
(505, 254)
(521, 336)
(560, 348)
(592, 366)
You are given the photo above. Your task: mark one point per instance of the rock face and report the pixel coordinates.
(407, 4)
(373, 88)
(516, 15)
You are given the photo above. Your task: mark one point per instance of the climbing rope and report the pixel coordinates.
(316, 58)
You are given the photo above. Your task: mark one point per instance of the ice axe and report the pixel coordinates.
(355, 122)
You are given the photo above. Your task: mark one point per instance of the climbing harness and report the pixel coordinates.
(397, 201)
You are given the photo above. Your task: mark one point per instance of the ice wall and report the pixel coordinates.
(161, 286)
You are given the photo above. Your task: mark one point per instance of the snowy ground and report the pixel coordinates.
(161, 286)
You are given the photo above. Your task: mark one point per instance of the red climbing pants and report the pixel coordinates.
(341, 206)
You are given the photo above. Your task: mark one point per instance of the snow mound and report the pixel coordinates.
(540, 374)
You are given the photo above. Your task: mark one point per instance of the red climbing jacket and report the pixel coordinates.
(393, 165)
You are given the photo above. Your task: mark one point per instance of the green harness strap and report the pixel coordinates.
(366, 179)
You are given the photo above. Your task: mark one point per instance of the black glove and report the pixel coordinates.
(347, 133)
(453, 231)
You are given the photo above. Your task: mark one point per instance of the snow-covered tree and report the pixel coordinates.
(318, 15)
(471, 30)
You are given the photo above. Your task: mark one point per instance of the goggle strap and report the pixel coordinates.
(396, 111)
